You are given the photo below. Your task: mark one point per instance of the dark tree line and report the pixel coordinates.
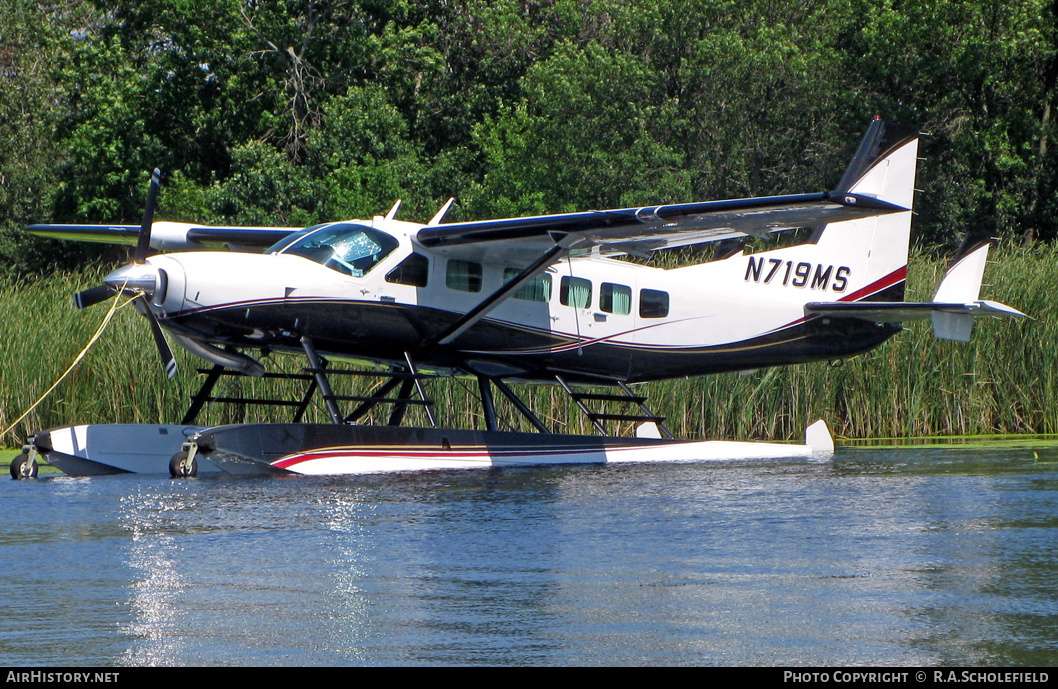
(294, 112)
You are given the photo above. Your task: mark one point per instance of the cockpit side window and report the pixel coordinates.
(414, 271)
(347, 248)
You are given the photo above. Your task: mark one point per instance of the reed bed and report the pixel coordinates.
(1003, 381)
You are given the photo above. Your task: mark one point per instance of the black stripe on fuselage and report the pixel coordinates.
(383, 331)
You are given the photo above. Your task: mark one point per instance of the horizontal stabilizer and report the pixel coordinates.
(955, 304)
(952, 324)
(951, 321)
(900, 311)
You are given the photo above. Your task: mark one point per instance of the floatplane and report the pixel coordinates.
(544, 299)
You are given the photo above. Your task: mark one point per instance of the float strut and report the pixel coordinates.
(321, 379)
(396, 417)
(487, 405)
(200, 398)
(369, 404)
(520, 405)
(421, 390)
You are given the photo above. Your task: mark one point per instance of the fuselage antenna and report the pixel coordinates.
(436, 219)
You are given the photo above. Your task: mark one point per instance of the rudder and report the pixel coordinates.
(875, 250)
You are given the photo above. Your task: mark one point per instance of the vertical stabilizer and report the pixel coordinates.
(962, 286)
(872, 252)
(962, 281)
(866, 154)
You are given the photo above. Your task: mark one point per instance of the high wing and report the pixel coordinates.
(619, 231)
(171, 236)
(639, 231)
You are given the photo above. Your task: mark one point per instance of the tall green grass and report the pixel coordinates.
(1003, 381)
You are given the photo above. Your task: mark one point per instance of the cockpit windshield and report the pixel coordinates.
(347, 247)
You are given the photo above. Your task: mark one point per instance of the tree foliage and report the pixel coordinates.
(301, 111)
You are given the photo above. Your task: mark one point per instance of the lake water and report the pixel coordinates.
(910, 556)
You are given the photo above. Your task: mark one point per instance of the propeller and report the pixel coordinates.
(92, 296)
(164, 350)
(138, 279)
(100, 293)
(144, 243)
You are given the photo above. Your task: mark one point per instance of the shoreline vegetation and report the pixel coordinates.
(294, 114)
(914, 386)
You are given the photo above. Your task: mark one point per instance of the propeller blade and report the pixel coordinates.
(92, 296)
(143, 244)
(164, 350)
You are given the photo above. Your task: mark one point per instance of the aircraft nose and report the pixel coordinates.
(135, 278)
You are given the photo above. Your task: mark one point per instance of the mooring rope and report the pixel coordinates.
(99, 332)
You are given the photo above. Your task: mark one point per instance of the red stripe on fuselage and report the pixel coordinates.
(875, 287)
(878, 285)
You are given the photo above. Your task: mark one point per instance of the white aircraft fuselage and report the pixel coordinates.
(539, 297)
(588, 318)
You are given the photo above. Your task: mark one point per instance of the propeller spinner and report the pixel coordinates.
(138, 279)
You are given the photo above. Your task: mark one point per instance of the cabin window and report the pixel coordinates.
(537, 289)
(414, 271)
(575, 292)
(615, 298)
(653, 303)
(346, 247)
(464, 276)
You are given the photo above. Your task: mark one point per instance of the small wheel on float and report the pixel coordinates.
(180, 467)
(21, 467)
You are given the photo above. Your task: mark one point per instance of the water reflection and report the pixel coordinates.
(438, 564)
(156, 590)
(348, 515)
(878, 557)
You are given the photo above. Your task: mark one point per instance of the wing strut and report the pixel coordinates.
(488, 406)
(449, 334)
